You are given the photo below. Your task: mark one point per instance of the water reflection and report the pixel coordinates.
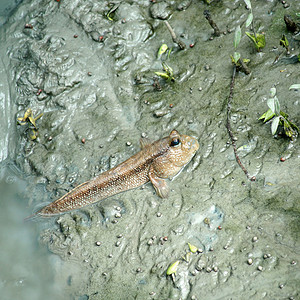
(27, 270)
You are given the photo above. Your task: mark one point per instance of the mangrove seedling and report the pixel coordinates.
(285, 43)
(278, 117)
(163, 50)
(168, 73)
(29, 120)
(236, 58)
(258, 39)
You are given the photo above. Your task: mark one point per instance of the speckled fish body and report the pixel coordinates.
(162, 159)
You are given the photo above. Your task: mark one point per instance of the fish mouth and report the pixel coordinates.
(192, 144)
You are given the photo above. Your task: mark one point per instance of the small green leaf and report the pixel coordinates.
(271, 104)
(237, 36)
(259, 41)
(193, 248)
(173, 268)
(249, 20)
(274, 125)
(236, 56)
(269, 115)
(295, 86)
(248, 3)
(284, 42)
(163, 48)
(272, 92)
(163, 75)
(288, 129)
(262, 116)
(276, 106)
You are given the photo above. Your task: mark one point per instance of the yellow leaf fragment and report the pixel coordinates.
(173, 268)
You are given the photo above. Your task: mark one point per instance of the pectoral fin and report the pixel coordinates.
(160, 185)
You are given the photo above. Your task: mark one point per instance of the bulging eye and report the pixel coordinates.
(175, 142)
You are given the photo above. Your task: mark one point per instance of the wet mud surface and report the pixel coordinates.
(89, 67)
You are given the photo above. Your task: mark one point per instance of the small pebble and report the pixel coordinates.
(89, 73)
(118, 208)
(200, 89)
(150, 242)
(110, 255)
(117, 244)
(118, 215)
(98, 243)
(152, 293)
(281, 286)
(206, 67)
(159, 214)
(128, 144)
(83, 140)
(293, 262)
(143, 135)
(215, 269)
(200, 250)
(75, 36)
(120, 236)
(114, 221)
(259, 268)
(154, 237)
(70, 253)
(104, 274)
(139, 270)
(165, 238)
(286, 5)
(250, 261)
(282, 159)
(254, 239)
(208, 269)
(211, 38)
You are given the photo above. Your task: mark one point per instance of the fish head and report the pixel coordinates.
(182, 148)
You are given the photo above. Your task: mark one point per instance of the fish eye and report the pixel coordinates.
(175, 142)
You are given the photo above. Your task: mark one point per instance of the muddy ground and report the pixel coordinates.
(89, 67)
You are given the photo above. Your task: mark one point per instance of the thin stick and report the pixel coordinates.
(228, 125)
(212, 23)
(176, 40)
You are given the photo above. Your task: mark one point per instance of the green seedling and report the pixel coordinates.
(193, 248)
(257, 38)
(168, 75)
(284, 43)
(163, 49)
(237, 38)
(111, 12)
(279, 117)
(30, 120)
(173, 268)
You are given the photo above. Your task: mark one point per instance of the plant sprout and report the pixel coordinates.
(279, 117)
(257, 38)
